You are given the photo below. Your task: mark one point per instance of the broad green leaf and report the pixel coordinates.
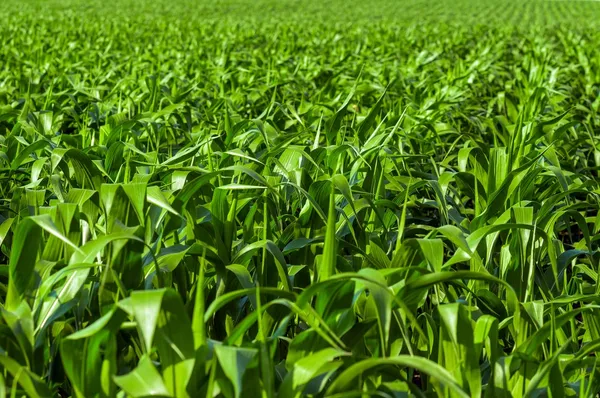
(344, 381)
(143, 381)
(234, 361)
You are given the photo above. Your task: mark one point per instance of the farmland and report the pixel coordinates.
(290, 198)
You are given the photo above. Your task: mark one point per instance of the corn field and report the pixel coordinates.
(295, 198)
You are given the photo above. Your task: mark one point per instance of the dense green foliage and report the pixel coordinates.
(286, 198)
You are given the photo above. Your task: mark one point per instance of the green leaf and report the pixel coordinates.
(143, 381)
(27, 242)
(327, 263)
(344, 381)
(146, 307)
(234, 361)
(306, 369)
